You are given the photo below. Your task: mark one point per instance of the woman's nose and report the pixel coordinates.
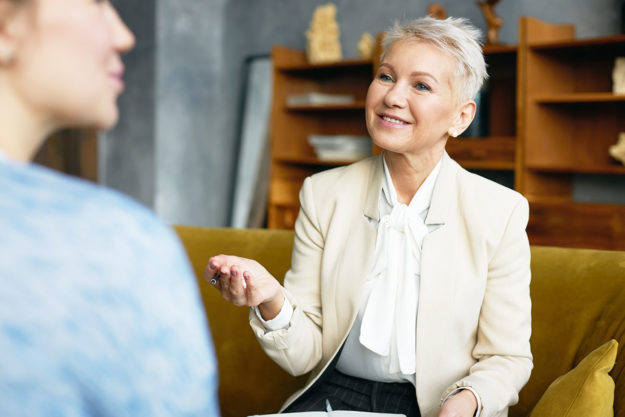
(124, 39)
(396, 96)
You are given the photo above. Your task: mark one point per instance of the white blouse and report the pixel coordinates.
(384, 333)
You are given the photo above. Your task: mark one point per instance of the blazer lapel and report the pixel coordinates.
(359, 243)
(373, 189)
(443, 196)
(437, 275)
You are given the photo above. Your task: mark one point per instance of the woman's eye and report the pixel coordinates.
(422, 87)
(385, 77)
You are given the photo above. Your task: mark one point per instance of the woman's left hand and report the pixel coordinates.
(462, 404)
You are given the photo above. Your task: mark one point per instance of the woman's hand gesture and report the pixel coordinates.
(245, 282)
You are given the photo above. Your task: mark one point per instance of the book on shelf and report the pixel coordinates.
(318, 99)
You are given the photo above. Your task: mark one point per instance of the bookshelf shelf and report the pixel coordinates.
(592, 97)
(562, 45)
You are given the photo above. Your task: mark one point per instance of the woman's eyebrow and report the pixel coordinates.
(423, 74)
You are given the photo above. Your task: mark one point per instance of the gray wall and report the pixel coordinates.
(192, 149)
(126, 154)
(175, 146)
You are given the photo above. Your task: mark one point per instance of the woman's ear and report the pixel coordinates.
(11, 20)
(464, 117)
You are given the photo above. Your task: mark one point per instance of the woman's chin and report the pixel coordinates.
(388, 144)
(108, 120)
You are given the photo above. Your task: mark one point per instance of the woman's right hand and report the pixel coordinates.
(245, 282)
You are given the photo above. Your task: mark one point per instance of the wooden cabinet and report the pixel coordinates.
(292, 157)
(551, 116)
(568, 118)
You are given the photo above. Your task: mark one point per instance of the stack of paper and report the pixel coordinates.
(340, 147)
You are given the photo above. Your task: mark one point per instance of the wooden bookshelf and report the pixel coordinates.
(568, 118)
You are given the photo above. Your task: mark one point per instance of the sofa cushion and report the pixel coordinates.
(587, 390)
(578, 303)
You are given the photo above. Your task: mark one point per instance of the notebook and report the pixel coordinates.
(334, 413)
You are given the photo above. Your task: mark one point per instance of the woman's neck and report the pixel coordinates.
(408, 172)
(21, 132)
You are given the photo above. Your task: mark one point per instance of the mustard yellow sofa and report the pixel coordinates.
(578, 303)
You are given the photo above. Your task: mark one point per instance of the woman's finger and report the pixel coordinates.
(251, 290)
(211, 272)
(237, 273)
(224, 278)
(237, 285)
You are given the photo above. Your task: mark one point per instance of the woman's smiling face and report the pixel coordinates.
(410, 104)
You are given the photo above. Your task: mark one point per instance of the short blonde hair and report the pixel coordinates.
(455, 36)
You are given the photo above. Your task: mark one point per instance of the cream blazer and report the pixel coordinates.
(474, 314)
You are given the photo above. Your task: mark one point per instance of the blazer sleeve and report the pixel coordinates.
(297, 348)
(504, 359)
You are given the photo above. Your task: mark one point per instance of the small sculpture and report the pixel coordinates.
(323, 36)
(493, 21)
(437, 11)
(618, 76)
(618, 151)
(365, 46)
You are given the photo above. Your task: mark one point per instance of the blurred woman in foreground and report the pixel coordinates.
(99, 312)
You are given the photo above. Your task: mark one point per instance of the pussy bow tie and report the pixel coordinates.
(389, 320)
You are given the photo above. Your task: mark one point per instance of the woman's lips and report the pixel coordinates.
(392, 121)
(117, 79)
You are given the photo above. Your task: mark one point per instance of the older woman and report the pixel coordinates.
(409, 285)
(99, 311)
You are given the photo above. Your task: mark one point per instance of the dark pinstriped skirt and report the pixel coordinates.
(351, 393)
